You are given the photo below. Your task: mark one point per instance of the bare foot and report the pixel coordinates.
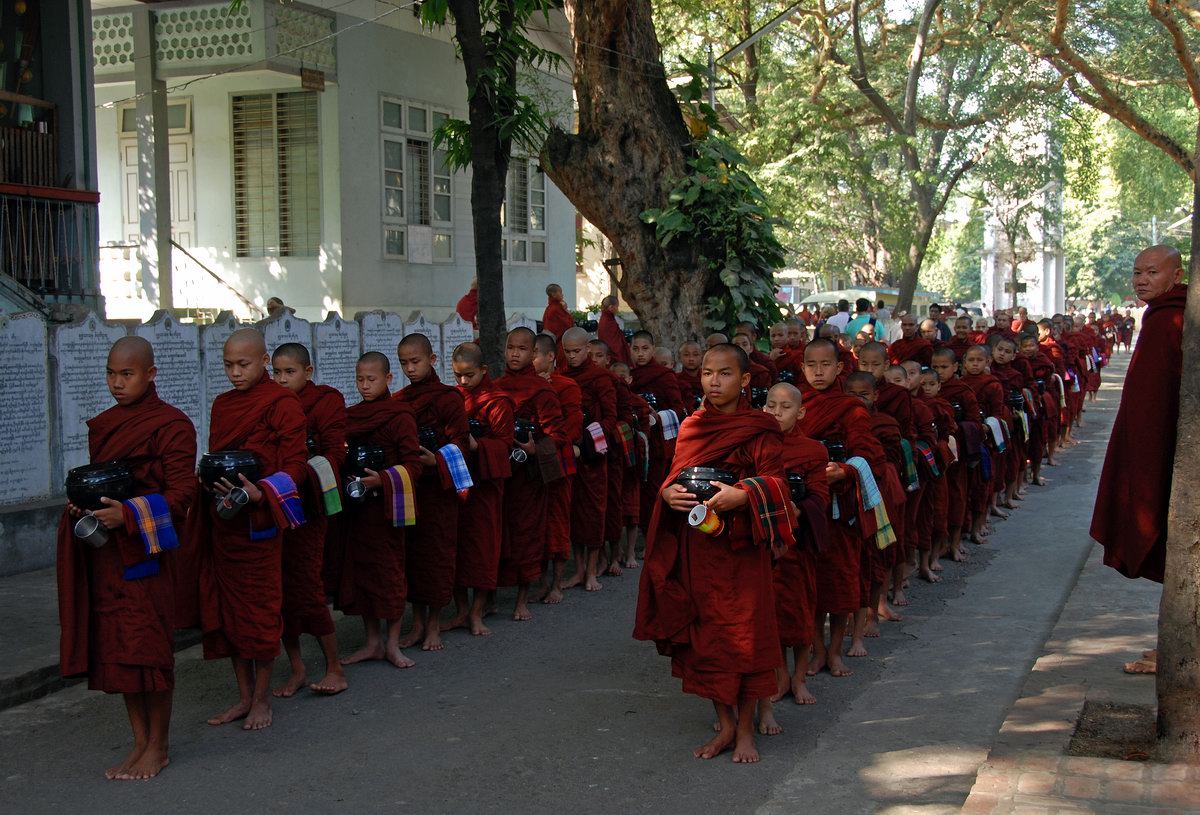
(414, 636)
(838, 668)
(889, 615)
(958, 554)
(899, 599)
(872, 630)
(149, 764)
(457, 621)
(767, 725)
(522, 614)
(433, 642)
(115, 770)
(573, 581)
(815, 666)
(397, 658)
(539, 593)
(331, 684)
(478, 629)
(553, 597)
(711, 749)
(1007, 505)
(234, 713)
(594, 585)
(857, 649)
(259, 717)
(613, 570)
(936, 566)
(288, 689)
(999, 513)
(781, 688)
(630, 563)
(364, 654)
(800, 692)
(1142, 666)
(927, 574)
(1151, 654)
(746, 752)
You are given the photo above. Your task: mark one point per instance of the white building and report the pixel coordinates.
(331, 199)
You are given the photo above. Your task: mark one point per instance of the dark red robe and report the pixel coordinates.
(609, 330)
(964, 478)
(374, 582)
(918, 348)
(689, 386)
(589, 501)
(481, 521)
(468, 307)
(959, 345)
(304, 609)
(1130, 518)
(241, 580)
(431, 547)
(708, 602)
(556, 537)
(115, 631)
(796, 572)
(660, 381)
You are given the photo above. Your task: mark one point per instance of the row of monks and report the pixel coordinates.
(574, 452)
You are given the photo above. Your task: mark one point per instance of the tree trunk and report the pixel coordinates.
(1178, 678)
(918, 246)
(630, 151)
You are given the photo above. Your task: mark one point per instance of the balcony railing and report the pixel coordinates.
(29, 150)
(48, 238)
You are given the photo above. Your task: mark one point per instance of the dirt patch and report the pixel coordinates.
(1107, 730)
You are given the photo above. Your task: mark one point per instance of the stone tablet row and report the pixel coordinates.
(52, 378)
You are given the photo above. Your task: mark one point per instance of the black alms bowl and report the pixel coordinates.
(229, 464)
(758, 398)
(86, 485)
(362, 457)
(651, 399)
(477, 428)
(524, 430)
(797, 486)
(696, 480)
(427, 438)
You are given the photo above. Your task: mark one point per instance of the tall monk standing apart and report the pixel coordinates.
(241, 567)
(911, 344)
(556, 319)
(609, 331)
(707, 601)
(1130, 518)
(115, 604)
(304, 609)
(431, 549)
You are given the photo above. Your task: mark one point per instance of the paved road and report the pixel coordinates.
(568, 712)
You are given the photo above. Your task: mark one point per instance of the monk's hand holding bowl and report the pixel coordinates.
(678, 498)
(113, 514)
(834, 472)
(527, 446)
(371, 480)
(474, 444)
(427, 458)
(728, 497)
(75, 512)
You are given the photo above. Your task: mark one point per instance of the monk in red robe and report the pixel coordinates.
(651, 378)
(525, 495)
(961, 341)
(961, 474)
(556, 535)
(688, 375)
(707, 600)
(989, 393)
(937, 496)
(760, 375)
(481, 520)
(1045, 441)
(468, 305)
(788, 361)
(431, 550)
(304, 609)
(925, 442)
(843, 422)
(116, 603)
(598, 389)
(241, 566)
(1130, 518)
(1004, 351)
(374, 584)
(618, 466)
(796, 572)
(556, 319)
(762, 358)
(911, 344)
(636, 412)
(609, 331)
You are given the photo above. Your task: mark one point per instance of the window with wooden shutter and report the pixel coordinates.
(276, 174)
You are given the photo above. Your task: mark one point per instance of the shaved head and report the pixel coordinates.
(247, 339)
(574, 336)
(418, 342)
(135, 350)
(785, 388)
(469, 353)
(716, 339)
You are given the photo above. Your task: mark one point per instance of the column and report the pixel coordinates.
(154, 175)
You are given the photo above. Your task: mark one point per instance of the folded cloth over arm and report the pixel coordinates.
(670, 424)
(451, 457)
(599, 443)
(283, 499)
(997, 432)
(771, 519)
(872, 500)
(150, 517)
(330, 495)
(400, 502)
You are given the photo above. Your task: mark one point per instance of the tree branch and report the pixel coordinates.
(1180, 46)
(915, 63)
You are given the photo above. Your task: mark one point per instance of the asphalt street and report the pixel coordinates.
(568, 712)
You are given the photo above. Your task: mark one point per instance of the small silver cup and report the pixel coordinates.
(356, 490)
(89, 530)
(231, 504)
(518, 455)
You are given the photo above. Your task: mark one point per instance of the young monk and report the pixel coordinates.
(556, 535)
(1046, 438)
(374, 583)
(925, 459)
(831, 416)
(636, 412)
(609, 330)
(937, 497)
(688, 375)
(650, 377)
(481, 521)
(796, 572)
(619, 466)
(241, 567)
(589, 494)
(962, 474)
(706, 601)
(116, 605)
(911, 344)
(431, 550)
(1013, 383)
(990, 395)
(797, 334)
(788, 360)
(525, 494)
(961, 340)
(556, 319)
(760, 375)
(304, 609)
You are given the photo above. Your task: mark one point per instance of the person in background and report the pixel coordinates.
(468, 305)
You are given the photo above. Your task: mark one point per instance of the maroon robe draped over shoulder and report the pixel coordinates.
(481, 521)
(589, 501)
(556, 538)
(796, 572)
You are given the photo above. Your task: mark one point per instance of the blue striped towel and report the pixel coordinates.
(670, 424)
(456, 465)
(153, 520)
(866, 482)
(284, 500)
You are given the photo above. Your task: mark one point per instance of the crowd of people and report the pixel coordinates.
(782, 490)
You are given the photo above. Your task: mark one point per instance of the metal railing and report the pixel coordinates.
(250, 305)
(48, 238)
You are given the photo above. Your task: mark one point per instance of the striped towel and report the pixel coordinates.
(322, 470)
(152, 518)
(400, 502)
(952, 443)
(599, 443)
(926, 451)
(997, 432)
(456, 465)
(912, 482)
(1024, 419)
(566, 455)
(1031, 403)
(284, 500)
(626, 439)
(885, 535)
(670, 424)
(870, 490)
(771, 519)
(1062, 391)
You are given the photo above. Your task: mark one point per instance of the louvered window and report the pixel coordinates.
(276, 175)
(417, 184)
(523, 215)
